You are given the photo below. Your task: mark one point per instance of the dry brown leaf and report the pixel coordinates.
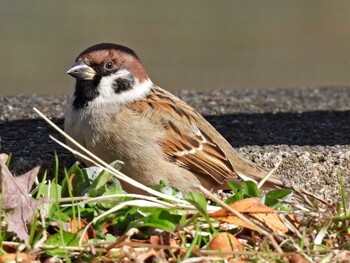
(77, 225)
(293, 219)
(16, 199)
(18, 257)
(254, 208)
(147, 256)
(9, 248)
(245, 206)
(297, 258)
(272, 221)
(105, 227)
(166, 240)
(225, 242)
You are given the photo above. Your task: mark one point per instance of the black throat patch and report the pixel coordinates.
(85, 91)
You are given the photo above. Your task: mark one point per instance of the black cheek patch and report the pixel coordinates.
(121, 85)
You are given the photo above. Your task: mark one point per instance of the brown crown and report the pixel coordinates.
(122, 56)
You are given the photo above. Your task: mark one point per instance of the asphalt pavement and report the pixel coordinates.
(308, 129)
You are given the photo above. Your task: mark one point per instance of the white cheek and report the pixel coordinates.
(105, 88)
(107, 94)
(138, 91)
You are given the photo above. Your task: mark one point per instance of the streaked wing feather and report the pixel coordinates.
(190, 146)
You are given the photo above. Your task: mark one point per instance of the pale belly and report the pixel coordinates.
(136, 143)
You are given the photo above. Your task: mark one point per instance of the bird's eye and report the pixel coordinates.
(109, 65)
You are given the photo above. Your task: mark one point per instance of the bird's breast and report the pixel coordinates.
(117, 135)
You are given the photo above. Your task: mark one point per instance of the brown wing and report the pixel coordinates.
(189, 145)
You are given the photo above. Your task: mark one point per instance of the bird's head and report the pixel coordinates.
(108, 73)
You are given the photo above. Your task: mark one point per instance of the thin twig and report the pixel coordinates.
(271, 172)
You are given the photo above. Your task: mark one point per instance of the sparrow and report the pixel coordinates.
(116, 112)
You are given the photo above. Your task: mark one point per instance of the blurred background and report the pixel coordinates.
(197, 44)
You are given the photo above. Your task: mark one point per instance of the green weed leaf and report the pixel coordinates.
(79, 182)
(162, 219)
(250, 189)
(272, 197)
(199, 201)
